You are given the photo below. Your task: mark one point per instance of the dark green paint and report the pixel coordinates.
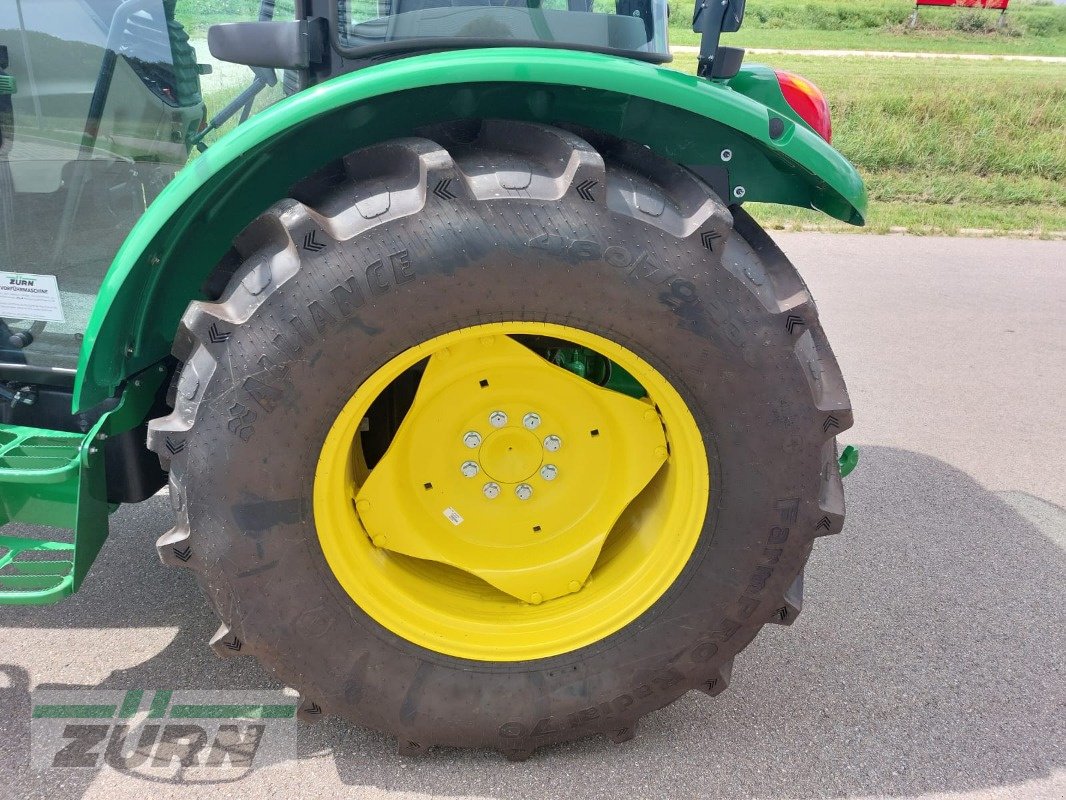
(598, 369)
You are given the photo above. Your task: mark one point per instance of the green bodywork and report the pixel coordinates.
(57, 479)
(849, 459)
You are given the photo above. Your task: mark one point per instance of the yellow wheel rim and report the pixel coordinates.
(520, 511)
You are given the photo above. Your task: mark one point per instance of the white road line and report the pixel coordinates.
(884, 54)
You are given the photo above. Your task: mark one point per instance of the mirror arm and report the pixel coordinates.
(710, 18)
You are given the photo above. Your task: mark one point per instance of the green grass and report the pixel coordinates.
(217, 99)
(198, 15)
(943, 145)
(1032, 27)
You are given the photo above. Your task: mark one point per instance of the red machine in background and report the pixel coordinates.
(1000, 5)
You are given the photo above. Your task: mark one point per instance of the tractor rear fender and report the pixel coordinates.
(713, 129)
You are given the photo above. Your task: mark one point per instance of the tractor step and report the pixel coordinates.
(56, 479)
(53, 479)
(27, 579)
(35, 455)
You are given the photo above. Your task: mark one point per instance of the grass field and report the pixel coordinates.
(1033, 27)
(944, 145)
(198, 15)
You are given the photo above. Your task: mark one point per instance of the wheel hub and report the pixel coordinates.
(511, 455)
(510, 468)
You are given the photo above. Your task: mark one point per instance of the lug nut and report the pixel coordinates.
(491, 490)
(497, 419)
(549, 472)
(524, 491)
(531, 420)
(552, 443)
(469, 468)
(472, 439)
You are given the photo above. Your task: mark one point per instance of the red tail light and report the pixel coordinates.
(808, 101)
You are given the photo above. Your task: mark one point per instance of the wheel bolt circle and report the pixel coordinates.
(524, 491)
(549, 472)
(469, 468)
(497, 419)
(491, 490)
(472, 439)
(531, 420)
(552, 443)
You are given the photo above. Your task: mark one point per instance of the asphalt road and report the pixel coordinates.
(927, 661)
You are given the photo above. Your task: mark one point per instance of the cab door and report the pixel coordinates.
(107, 99)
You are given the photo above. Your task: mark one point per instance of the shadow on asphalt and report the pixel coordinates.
(927, 659)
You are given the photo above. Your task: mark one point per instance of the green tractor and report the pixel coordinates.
(487, 414)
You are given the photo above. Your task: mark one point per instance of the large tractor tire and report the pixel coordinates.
(496, 438)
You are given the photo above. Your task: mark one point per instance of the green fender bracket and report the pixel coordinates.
(686, 119)
(57, 479)
(849, 459)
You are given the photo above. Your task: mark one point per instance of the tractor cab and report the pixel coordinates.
(98, 102)
(636, 28)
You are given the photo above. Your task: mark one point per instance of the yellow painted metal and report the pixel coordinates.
(422, 549)
(504, 413)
